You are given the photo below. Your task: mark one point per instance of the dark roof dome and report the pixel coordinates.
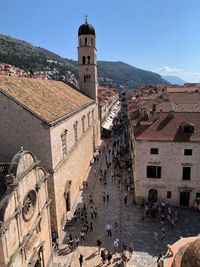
(86, 29)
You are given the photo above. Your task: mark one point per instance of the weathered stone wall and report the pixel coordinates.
(21, 128)
(74, 165)
(171, 158)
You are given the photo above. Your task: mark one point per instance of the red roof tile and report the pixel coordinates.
(169, 128)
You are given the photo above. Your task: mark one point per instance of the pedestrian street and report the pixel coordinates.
(132, 231)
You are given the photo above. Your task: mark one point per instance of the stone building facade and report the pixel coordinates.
(25, 230)
(164, 141)
(59, 124)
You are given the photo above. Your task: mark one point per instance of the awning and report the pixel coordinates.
(108, 125)
(113, 114)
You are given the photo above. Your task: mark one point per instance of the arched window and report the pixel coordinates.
(88, 59)
(75, 131)
(83, 123)
(84, 78)
(84, 60)
(88, 115)
(153, 195)
(85, 41)
(92, 41)
(80, 43)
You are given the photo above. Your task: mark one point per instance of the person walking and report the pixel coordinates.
(125, 198)
(115, 226)
(90, 200)
(103, 256)
(109, 229)
(81, 260)
(155, 234)
(107, 197)
(92, 212)
(77, 241)
(115, 245)
(99, 245)
(95, 212)
(82, 235)
(71, 242)
(163, 233)
(104, 197)
(91, 227)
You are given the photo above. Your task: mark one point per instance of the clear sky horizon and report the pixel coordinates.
(161, 36)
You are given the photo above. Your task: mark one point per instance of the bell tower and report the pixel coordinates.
(87, 62)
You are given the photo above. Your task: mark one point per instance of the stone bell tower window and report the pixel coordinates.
(88, 59)
(85, 41)
(84, 59)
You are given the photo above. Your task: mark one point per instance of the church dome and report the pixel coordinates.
(86, 29)
(191, 256)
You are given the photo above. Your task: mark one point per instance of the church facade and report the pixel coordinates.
(25, 230)
(58, 123)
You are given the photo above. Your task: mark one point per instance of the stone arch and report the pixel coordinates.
(17, 165)
(152, 195)
(88, 59)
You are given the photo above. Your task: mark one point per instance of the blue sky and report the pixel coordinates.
(157, 35)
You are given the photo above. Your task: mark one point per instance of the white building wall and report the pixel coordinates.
(171, 158)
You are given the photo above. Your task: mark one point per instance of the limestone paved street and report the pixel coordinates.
(134, 232)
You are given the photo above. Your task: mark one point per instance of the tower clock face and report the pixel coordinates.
(29, 204)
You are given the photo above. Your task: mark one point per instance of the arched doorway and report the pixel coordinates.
(153, 195)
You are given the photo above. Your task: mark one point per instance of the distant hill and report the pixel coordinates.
(28, 57)
(174, 79)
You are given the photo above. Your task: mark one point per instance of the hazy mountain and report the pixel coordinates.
(28, 57)
(174, 79)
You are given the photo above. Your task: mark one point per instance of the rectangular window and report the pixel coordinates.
(188, 152)
(169, 194)
(154, 151)
(197, 195)
(186, 173)
(153, 171)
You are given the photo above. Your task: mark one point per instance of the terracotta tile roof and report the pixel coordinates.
(182, 89)
(181, 102)
(167, 128)
(47, 99)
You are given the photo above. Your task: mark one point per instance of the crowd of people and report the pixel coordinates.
(115, 155)
(116, 170)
